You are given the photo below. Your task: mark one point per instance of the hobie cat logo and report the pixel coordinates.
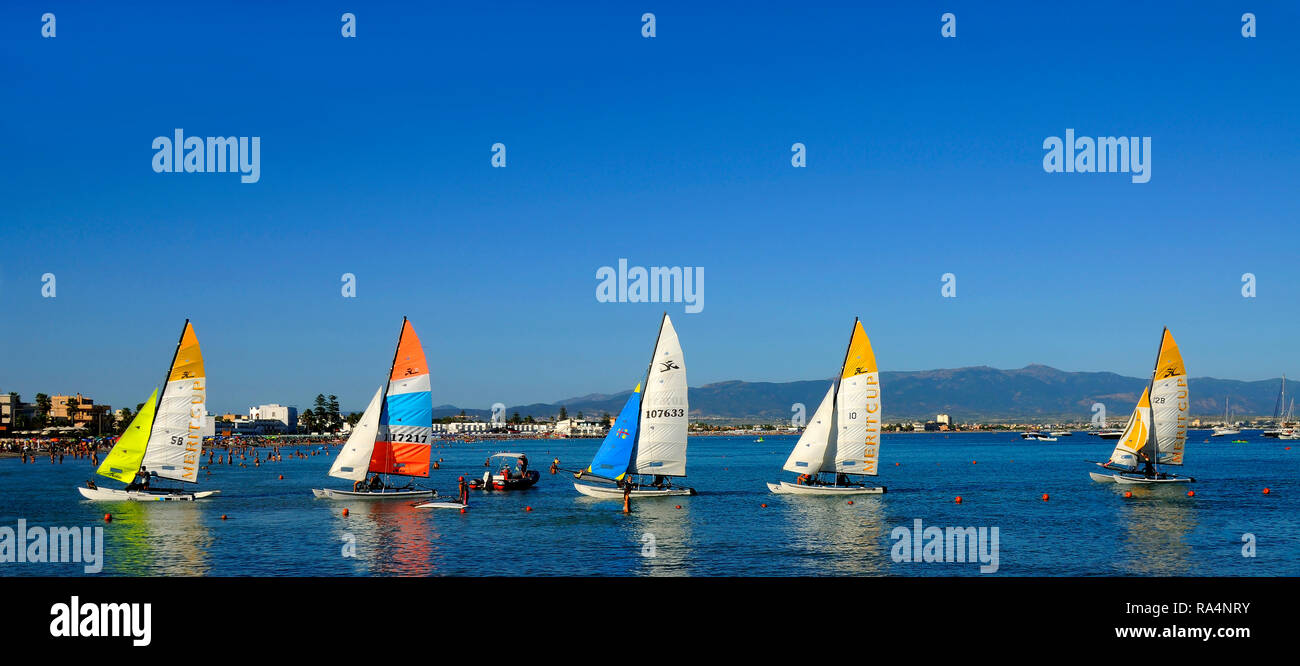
(217, 154)
(658, 284)
(1104, 154)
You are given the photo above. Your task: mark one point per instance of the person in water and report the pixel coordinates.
(464, 490)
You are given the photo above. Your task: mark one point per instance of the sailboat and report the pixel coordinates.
(392, 436)
(843, 437)
(648, 439)
(1226, 428)
(1157, 430)
(1279, 415)
(165, 438)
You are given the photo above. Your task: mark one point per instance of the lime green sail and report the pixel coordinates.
(124, 460)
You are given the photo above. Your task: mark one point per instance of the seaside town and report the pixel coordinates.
(76, 423)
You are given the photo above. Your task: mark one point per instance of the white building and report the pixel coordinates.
(943, 419)
(286, 415)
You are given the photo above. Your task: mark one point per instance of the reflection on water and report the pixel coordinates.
(845, 539)
(1157, 521)
(157, 539)
(389, 538)
(662, 534)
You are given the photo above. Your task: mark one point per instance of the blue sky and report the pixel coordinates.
(924, 158)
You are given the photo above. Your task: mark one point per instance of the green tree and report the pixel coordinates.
(43, 407)
(307, 420)
(564, 413)
(353, 418)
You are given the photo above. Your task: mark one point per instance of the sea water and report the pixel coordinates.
(276, 527)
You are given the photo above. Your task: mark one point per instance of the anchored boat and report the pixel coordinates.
(392, 437)
(1157, 431)
(646, 447)
(505, 479)
(843, 437)
(165, 439)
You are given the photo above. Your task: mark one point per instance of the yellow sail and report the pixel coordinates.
(860, 359)
(124, 460)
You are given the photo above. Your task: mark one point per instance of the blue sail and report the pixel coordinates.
(615, 452)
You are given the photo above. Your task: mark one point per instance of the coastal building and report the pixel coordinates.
(80, 411)
(286, 415)
(943, 419)
(576, 428)
(14, 413)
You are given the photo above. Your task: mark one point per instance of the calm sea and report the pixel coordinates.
(276, 528)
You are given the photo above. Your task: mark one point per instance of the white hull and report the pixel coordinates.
(1102, 478)
(1140, 480)
(787, 488)
(330, 493)
(440, 505)
(112, 495)
(614, 492)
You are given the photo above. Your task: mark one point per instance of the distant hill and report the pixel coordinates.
(1035, 392)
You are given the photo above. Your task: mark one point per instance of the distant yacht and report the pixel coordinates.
(1226, 428)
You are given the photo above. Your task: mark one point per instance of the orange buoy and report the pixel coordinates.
(1045, 497)
(528, 508)
(958, 499)
(896, 464)
(1191, 493)
(763, 505)
(462, 509)
(680, 506)
(1128, 493)
(850, 501)
(1266, 491)
(281, 477)
(223, 516)
(345, 513)
(108, 517)
(974, 462)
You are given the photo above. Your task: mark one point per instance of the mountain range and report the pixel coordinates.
(981, 393)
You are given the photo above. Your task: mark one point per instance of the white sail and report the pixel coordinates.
(661, 438)
(857, 409)
(815, 451)
(176, 440)
(354, 458)
(1169, 403)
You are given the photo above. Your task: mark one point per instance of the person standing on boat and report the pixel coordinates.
(523, 465)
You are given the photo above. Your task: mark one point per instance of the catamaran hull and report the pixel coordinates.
(1123, 479)
(1141, 480)
(330, 493)
(614, 492)
(787, 488)
(113, 495)
(440, 505)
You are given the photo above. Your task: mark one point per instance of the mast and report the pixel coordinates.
(641, 408)
(835, 400)
(157, 405)
(1152, 440)
(384, 406)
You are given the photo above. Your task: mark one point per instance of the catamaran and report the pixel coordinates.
(1157, 430)
(646, 447)
(843, 437)
(392, 437)
(165, 439)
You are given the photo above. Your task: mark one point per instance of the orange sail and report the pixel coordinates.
(406, 422)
